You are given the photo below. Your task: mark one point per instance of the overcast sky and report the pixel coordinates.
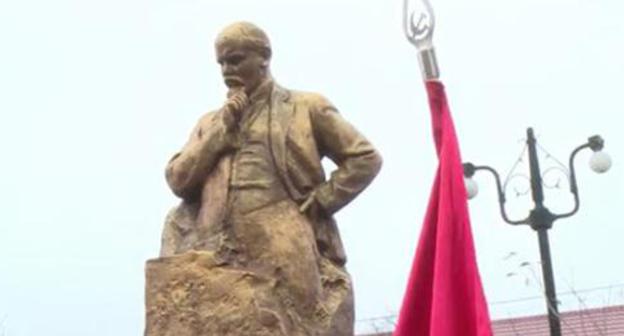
(95, 96)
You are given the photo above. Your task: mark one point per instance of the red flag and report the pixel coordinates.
(444, 296)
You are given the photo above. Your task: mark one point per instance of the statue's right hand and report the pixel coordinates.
(234, 107)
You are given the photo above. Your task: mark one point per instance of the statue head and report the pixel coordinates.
(244, 52)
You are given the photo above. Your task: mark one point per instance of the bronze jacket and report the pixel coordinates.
(304, 128)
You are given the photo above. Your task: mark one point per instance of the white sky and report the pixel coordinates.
(96, 95)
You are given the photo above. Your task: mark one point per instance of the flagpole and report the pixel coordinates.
(418, 26)
(444, 295)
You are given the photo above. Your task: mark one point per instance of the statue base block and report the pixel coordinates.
(191, 294)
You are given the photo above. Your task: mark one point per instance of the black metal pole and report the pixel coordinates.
(549, 284)
(541, 220)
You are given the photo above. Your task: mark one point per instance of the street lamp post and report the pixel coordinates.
(540, 218)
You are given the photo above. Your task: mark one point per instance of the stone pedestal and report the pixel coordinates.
(193, 295)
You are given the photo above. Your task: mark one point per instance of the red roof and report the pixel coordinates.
(606, 321)
(597, 321)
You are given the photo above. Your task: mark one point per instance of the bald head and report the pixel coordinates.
(244, 35)
(243, 51)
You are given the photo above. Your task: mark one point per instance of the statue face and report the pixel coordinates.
(241, 66)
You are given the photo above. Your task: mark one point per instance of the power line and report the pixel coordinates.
(573, 292)
(391, 317)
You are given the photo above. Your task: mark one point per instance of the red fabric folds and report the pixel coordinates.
(444, 296)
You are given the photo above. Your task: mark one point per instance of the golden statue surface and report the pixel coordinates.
(253, 248)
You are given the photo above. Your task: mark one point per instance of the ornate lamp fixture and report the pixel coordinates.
(540, 218)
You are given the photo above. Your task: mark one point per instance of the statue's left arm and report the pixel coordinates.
(357, 160)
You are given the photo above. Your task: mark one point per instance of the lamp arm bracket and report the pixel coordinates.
(573, 183)
(470, 169)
